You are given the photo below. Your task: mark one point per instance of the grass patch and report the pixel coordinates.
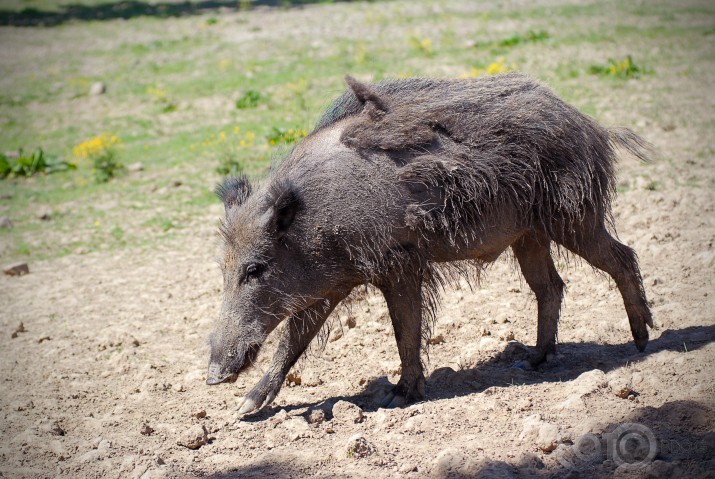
(174, 84)
(29, 164)
(530, 36)
(280, 135)
(160, 223)
(249, 99)
(623, 68)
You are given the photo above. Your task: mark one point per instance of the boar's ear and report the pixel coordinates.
(233, 191)
(374, 105)
(285, 203)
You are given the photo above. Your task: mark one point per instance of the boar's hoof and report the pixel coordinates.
(523, 365)
(535, 359)
(393, 400)
(641, 342)
(246, 405)
(255, 401)
(401, 395)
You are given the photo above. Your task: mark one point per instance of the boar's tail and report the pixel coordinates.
(631, 142)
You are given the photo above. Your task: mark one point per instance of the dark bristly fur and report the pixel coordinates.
(410, 185)
(503, 140)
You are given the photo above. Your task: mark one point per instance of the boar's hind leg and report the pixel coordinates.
(404, 301)
(534, 256)
(618, 260)
(297, 334)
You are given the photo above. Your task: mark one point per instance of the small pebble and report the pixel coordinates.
(359, 447)
(20, 329)
(56, 430)
(16, 269)
(194, 437)
(293, 379)
(97, 88)
(316, 416)
(135, 167)
(346, 412)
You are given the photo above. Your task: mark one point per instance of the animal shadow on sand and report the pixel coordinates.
(677, 444)
(571, 360)
(684, 446)
(31, 17)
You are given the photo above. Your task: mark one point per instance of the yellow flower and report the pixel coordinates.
(474, 72)
(499, 66)
(95, 146)
(496, 67)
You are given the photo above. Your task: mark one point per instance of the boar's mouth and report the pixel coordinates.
(231, 378)
(229, 373)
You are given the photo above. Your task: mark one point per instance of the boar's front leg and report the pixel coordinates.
(300, 329)
(404, 301)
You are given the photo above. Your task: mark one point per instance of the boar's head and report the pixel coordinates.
(266, 272)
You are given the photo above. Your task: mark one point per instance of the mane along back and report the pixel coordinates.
(486, 142)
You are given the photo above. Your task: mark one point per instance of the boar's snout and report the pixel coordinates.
(225, 369)
(214, 376)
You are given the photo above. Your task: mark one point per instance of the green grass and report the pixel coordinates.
(175, 83)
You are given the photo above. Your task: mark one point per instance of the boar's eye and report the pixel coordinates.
(253, 270)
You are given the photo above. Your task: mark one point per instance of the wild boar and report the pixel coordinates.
(408, 185)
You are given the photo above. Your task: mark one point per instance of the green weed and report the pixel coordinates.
(29, 164)
(161, 223)
(249, 99)
(117, 233)
(22, 249)
(161, 98)
(106, 166)
(229, 164)
(522, 38)
(625, 68)
(279, 135)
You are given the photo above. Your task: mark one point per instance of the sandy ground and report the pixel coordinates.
(107, 377)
